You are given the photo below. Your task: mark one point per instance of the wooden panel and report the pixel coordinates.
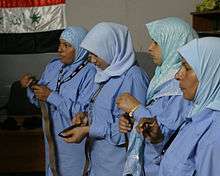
(207, 23)
(22, 151)
(202, 24)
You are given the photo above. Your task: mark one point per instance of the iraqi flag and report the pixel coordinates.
(31, 26)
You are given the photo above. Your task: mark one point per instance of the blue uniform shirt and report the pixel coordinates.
(73, 97)
(107, 152)
(170, 112)
(199, 154)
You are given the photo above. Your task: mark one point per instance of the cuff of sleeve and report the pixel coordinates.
(30, 93)
(96, 131)
(54, 99)
(141, 112)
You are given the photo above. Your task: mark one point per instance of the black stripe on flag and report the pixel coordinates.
(27, 43)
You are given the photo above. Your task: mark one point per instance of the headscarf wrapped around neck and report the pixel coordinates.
(111, 42)
(203, 55)
(75, 35)
(170, 34)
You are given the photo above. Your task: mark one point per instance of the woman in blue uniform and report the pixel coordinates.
(112, 52)
(164, 97)
(66, 86)
(195, 150)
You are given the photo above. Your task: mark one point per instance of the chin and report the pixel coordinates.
(188, 97)
(64, 61)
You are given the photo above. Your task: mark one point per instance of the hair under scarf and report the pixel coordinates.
(203, 55)
(75, 35)
(111, 42)
(170, 34)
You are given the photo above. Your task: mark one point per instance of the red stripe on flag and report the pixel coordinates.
(28, 3)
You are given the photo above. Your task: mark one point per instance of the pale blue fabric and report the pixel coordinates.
(107, 153)
(170, 34)
(195, 150)
(204, 57)
(75, 35)
(73, 97)
(134, 161)
(111, 42)
(170, 112)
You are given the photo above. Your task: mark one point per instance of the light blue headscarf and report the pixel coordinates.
(111, 42)
(203, 55)
(170, 33)
(75, 35)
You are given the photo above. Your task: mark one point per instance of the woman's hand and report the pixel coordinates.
(150, 130)
(26, 80)
(41, 92)
(76, 135)
(127, 102)
(80, 119)
(125, 125)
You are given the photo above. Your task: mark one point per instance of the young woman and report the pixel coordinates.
(164, 97)
(65, 86)
(112, 53)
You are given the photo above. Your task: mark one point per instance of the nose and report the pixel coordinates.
(150, 47)
(179, 75)
(91, 59)
(60, 48)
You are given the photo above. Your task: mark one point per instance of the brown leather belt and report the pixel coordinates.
(48, 131)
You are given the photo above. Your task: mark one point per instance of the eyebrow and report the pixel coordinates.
(65, 42)
(93, 54)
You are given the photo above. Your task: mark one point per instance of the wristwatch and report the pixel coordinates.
(132, 111)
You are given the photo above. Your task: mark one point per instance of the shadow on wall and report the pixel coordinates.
(13, 66)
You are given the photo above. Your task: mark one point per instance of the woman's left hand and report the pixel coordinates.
(127, 102)
(41, 92)
(150, 129)
(76, 135)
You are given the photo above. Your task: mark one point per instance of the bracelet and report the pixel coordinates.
(132, 111)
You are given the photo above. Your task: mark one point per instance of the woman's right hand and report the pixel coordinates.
(26, 80)
(81, 119)
(127, 102)
(125, 124)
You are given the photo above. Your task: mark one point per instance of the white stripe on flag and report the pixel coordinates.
(32, 19)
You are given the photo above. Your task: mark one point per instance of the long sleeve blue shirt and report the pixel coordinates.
(195, 150)
(170, 113)
(108, 152)
(73, 97)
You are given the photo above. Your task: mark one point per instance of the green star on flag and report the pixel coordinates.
(35, 18)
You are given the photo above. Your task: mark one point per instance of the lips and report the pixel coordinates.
(182, 89)
(61, 56)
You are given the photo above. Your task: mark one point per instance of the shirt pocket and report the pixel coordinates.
(103, 110)
(186, 168)
(177, 166)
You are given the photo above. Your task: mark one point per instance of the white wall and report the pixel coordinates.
(133, 13)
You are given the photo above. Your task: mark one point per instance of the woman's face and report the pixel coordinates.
(66, 52)
(97, 61)
(154, 51)
(188, 80)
